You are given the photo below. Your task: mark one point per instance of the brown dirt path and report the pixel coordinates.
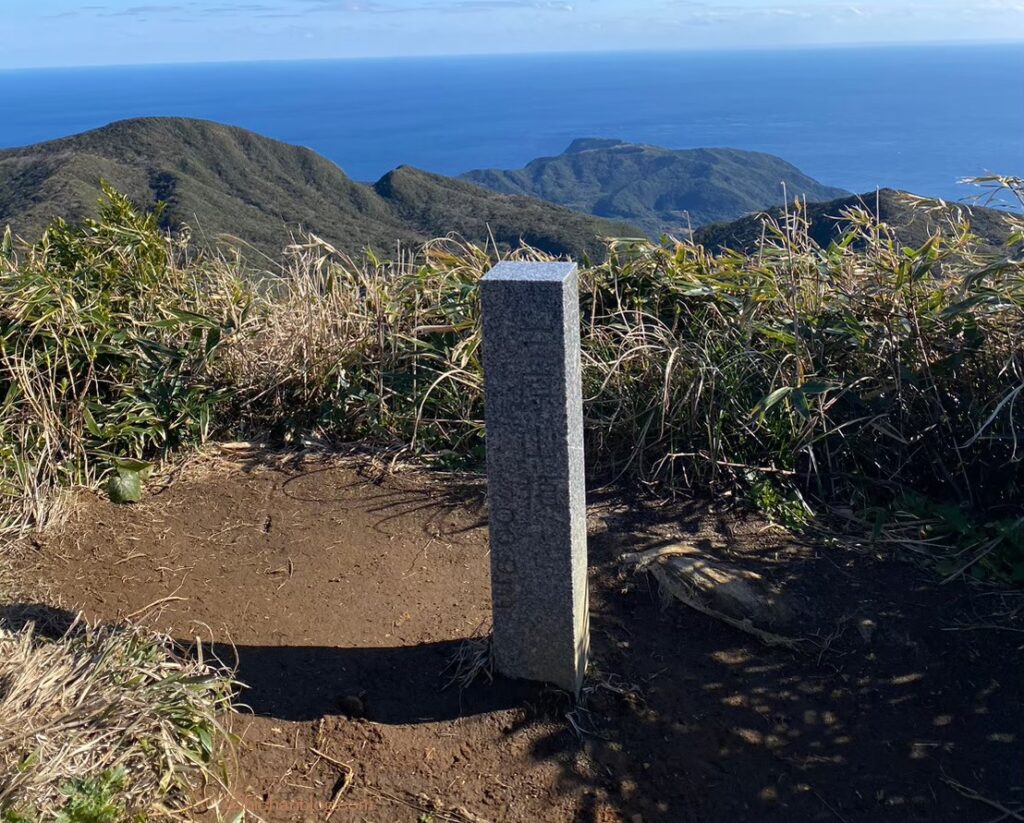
(345, 597)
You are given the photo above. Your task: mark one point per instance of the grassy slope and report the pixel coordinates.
(660, 190)
(913, 225)
(224, 181)
(428, 200)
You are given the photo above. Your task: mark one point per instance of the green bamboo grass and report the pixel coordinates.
(861, 375)
(882, 382)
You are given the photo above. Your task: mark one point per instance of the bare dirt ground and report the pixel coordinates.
(345, 595)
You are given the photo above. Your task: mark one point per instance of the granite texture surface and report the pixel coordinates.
(535, 471)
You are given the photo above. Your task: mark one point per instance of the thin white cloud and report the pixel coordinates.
(727, 12)
(445, 7)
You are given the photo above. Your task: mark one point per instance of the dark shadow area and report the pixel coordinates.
(399, 685)
(394, 685)
(50, 622)
(905, 704)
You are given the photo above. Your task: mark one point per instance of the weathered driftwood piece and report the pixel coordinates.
(738, 597)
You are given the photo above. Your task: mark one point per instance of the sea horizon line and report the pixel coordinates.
(485, 56)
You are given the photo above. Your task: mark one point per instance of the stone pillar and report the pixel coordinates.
(534, 410)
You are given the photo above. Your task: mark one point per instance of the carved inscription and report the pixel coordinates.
(538, 559)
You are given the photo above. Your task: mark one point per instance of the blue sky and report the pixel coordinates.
(103, 32)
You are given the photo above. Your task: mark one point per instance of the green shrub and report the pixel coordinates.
(851, 372)
(93, 799)
(856, 374)
(104, 343)
(848, 375)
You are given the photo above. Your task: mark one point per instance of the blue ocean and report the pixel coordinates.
(916, 118)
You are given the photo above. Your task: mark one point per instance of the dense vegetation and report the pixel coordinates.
(229, 183)
(864, 374)
(864, 379)
(913, 220)
(663, 191)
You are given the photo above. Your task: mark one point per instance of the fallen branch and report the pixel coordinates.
(970, 794)
(697, 580)
(745, 625)
(427, 806)
(343, 784)
(639, 561)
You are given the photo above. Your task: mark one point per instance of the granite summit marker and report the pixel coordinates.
(534, 408)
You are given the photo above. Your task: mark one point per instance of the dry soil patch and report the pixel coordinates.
(345, 595)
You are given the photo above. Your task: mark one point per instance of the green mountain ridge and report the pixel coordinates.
(664, 191)
(913, 219)
(232, 185)
(226, 182)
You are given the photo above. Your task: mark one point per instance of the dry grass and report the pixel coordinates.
(865, 375)
(472, 661)
(111, 716)
(362, 349)
(884, 380)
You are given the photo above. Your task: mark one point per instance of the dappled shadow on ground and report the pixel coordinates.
(344, 594)
(896, 709)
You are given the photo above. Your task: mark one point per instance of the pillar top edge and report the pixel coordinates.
(531, 272)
